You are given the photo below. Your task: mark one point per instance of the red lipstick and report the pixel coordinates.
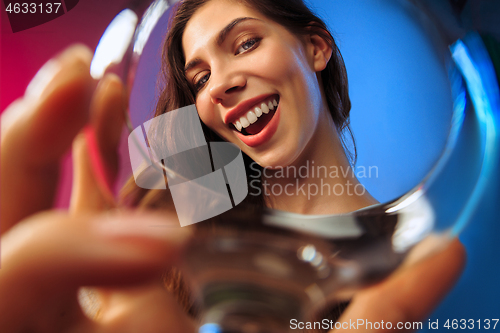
(265, 134)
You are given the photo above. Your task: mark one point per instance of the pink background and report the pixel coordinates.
(24, 52)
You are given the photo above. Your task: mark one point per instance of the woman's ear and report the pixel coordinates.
(320, 51)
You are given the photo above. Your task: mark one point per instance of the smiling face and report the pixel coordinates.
(256, 84)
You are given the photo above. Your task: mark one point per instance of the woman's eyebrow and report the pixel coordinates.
(220, 38)
(224, 32)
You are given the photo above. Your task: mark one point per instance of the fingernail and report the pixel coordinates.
(42, 79)
(49, 71)
(143, 226)
(110, 79)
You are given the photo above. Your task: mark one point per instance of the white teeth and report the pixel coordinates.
(244, 122)
(238, 125)
(264, 108)
(258, 111)
(252, 118)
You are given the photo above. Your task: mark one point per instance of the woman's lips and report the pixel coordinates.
(265, 134)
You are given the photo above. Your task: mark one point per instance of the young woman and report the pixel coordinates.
(272, 82)
(228, 57)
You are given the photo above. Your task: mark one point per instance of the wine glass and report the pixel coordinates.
(254, 269)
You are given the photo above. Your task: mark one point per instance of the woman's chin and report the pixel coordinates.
(273, 161)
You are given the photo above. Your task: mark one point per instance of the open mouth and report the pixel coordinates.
(257, 118)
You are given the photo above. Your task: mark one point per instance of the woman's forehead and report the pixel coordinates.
(208, 21)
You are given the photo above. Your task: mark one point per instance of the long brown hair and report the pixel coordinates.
(295, 16)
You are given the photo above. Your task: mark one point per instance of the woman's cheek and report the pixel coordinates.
(273, 65)
(205, 111)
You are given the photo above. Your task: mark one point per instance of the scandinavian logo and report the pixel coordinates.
(205, 180)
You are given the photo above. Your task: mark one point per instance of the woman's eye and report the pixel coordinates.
(201, 82)
(247, 45)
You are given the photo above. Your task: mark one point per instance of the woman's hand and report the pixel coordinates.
(408, 296)
(47, 256)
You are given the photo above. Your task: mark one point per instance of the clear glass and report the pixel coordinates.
(254, 270)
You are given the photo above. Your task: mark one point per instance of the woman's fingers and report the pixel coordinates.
(148, 309)
(38, 129)
(46, 258)
(99, 153)
(409, 295)
(108, 116)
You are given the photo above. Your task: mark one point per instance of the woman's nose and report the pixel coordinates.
(225, 87)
